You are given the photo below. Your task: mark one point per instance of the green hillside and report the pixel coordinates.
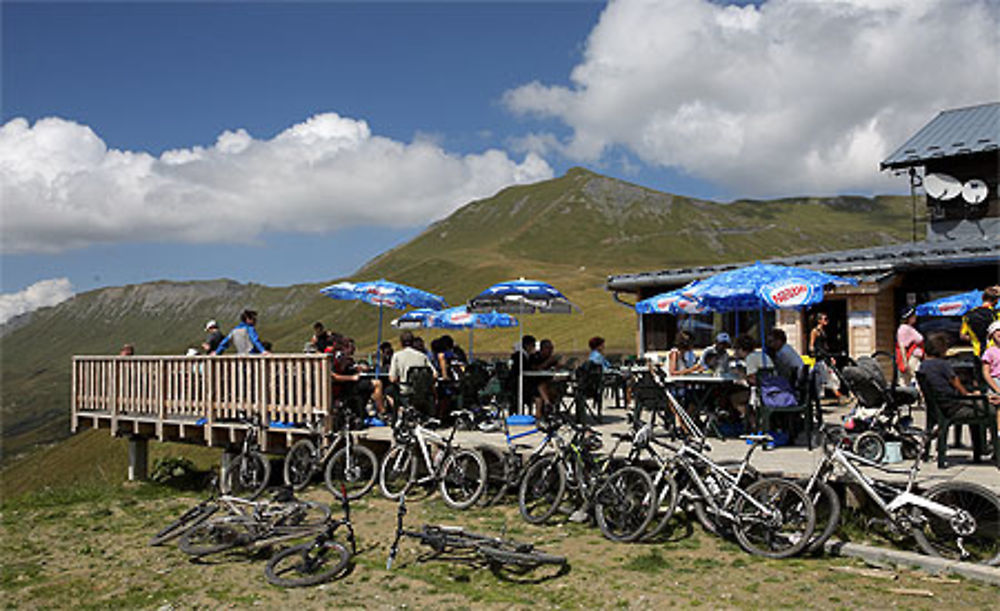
(572, 231)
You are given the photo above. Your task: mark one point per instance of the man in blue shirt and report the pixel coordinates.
(244, 336)
(787, 362)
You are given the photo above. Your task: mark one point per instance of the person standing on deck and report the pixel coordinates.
(244, 336)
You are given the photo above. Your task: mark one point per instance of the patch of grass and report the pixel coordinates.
(649, 562)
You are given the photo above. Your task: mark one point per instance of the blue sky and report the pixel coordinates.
(284, 143)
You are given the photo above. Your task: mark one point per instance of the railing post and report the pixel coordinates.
(258, 378)
(161, 396)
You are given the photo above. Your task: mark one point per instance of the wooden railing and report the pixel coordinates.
(288, 389)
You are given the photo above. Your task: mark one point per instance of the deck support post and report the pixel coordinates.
(228, 456)
(138, 458)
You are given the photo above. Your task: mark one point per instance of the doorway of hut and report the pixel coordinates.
(836, 329)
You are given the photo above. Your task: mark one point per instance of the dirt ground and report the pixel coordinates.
(90, 551)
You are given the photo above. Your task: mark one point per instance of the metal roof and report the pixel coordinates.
(961, 131)
(865, 263)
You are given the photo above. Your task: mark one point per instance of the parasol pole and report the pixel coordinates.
(378, 344)
(471, 330)
(520, 356)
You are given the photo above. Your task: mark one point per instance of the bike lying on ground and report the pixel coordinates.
(346, 464)
(495, 551)
(250, 523)
(954, 520)
(190, 518)
(318, 560)
(459, 472)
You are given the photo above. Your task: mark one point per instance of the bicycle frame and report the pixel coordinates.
(902, 498)
(685, 456)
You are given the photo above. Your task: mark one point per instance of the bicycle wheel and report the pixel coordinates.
(307, 514)
(542, 489)
(870, 445)
(463, 479)
(498, 473)
(826, 504)
(625, 504)
(355, 472)
(307, 564)
(212, 537)
(783, 527)
(189, 519)
(972, 536)
(522, 558)
(300, 464)
(667, 495)
(247, 476)
(397, 472)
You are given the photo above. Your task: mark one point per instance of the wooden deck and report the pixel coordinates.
(201, 399)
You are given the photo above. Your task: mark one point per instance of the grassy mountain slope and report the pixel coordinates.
(572, 231)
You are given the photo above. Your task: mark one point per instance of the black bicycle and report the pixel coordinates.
(316, 561)
(622, 498)
(495, 551)
(249, 472)
(348, 466)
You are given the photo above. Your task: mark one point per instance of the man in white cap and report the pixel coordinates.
(715, 358)
(213, 338)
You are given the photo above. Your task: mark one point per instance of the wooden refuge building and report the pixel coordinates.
(953, 164)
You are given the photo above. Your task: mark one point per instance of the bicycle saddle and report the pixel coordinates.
(758, 437)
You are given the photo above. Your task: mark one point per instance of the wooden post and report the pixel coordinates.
(138, 458)
(161, 397)
(74, 420)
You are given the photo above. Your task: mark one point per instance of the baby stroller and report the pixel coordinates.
(878, 415)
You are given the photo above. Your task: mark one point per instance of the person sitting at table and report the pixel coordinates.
(321, 339)
(404, 360)
(542, 392)
(715, 358)
(681, 359)
(522, 353)
(597, 353)
(787, 362)
(753, 361)
(349, 388)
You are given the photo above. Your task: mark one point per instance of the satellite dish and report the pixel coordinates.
(975, 191)
(942, 186)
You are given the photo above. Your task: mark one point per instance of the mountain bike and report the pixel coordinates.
(643, 451)
(252, 523)
(454, 539)
(460, 473)
(249, 471)
(347, 465)
(318, 560)
(769, 517)
(508, 465)
(954, 520)
(191, 517)
(622, 499)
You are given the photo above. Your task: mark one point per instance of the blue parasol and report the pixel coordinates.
(461, 318)
(384, 293)
(522, 297)
(953, 305)
(755, 287)
(414, 319)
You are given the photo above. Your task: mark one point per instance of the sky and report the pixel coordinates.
(281, 143)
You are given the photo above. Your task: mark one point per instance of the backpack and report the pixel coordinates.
(776, 392)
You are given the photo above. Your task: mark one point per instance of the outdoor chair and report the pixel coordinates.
(807, 405)
(980, 421)
(421, 395)
(588, 391)
(650, 397)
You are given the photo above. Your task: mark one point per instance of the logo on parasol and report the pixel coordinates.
(951, 308)
(788, 294)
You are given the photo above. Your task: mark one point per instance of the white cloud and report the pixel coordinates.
(63, 188)
(38, 295)
(796, 96)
